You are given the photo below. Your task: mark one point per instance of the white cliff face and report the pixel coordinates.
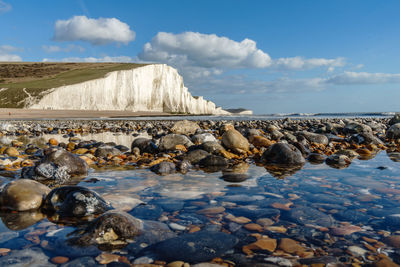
(155, 87)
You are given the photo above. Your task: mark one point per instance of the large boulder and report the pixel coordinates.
(395, 119)
(145, 145)
(234, 140)
(282, 153)
(105, 151)
(170, 141)
(356, 127)
(23, 195)
(185, 127)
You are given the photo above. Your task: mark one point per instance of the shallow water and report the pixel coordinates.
(363, 194)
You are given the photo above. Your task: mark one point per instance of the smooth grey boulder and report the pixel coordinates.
(282, 153)
(170, 141)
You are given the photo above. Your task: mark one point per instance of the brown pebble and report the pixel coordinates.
(253, 227)
(53, 142)
(59, 259)
(213, 210)
(106, 258)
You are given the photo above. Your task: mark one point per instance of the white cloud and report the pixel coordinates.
(95, 31)
(69, 48)
(5, 53)
(91, 59)
(300, 63)
(348, 78)
(4, 7)
(208, 51)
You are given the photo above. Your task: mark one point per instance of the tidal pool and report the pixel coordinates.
(318, 214)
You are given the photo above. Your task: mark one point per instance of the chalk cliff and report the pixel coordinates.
(156, 87)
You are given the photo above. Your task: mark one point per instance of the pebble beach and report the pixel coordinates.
(283, 192)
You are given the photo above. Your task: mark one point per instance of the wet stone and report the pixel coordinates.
(195, 156)
(144, 145)
(307, 215)
(170, 141)
(196, 247)
(26, 257)
(111, 228)
(147, 212)
(74, 201)
(164, 168)
(104, 151)
(281, 153)
(81, 262)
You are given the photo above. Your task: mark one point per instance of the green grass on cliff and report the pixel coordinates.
(36, 78)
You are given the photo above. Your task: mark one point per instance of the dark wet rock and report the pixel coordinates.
(281, 153)
(170, 141)
(122, 148)
(306, 215)
(185, 127)
(195, 156)
(366, 138)
(351, 154)
(203, 137)
(57, 167)
(75, 202)
(234, 140)
(81, 262)
(105, 151)
(351, 216)
(183, 166)
(355, 128)
(147, 212)
(213, 160)
(164, 168)
(316, 158)
(395, 119)
(23, 195)
(153, 232)
(145, 145)
(21, 220)
(191, 218)
(338, 161)
(109, 229)
(315, 138)
(27, 257)
(212, 147)
(196, 247)
(393, 132)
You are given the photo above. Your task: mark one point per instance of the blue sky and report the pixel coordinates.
(268, 56)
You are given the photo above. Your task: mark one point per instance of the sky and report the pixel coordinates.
(268, 56)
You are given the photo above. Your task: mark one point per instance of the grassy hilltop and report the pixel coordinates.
(17, 80)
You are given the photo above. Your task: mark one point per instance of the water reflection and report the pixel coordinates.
(21, 220)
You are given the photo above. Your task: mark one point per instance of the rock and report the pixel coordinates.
(170, 141)
(105, 151)
(356, 251)
(393, 132)
(385, 262)
(53, 142)
(27, 257)
(316, 158)
(23, 195)
(266, 243)
(212, 147)
(338, 161)
(315, 138)
(355, 128)
(147, 212)
(202, 138)
(111, 228)
(279, 261)
(62, 158)
(395, 119)
(195, 247)
(281, 153)
(195, 156)
(145, 145)
(260, 141)
(236, 141)
(185, 127)
(393, 220)
(11, 151)
(59, 260)
(214, 161)
(164, 168)
(212, 210)
(75, 202)
(306, 215)
(345, 230)
(393, 241)
(183, 166)
(236, 174)
(351, 154)
(105, 258)
(290, 246)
